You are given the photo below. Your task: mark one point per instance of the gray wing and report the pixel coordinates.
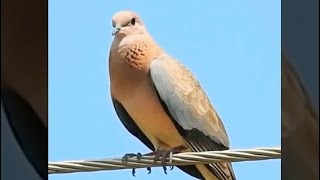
(190, 110)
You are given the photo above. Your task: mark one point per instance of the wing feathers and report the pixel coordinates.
(190, 110)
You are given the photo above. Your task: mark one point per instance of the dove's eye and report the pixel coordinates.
(133, 21)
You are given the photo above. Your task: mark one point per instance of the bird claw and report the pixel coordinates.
(139, 156)
(165, 169)
(130, 155)
(164, 154)
(127, 156)
(133, 172)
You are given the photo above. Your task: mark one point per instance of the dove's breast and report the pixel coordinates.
(131, 85)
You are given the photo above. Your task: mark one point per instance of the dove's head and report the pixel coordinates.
(127, 23)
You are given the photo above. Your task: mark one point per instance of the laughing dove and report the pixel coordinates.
(160, 101)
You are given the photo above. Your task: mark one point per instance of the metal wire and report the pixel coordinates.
(188, 158)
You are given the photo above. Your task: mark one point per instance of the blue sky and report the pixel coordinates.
(232, 47)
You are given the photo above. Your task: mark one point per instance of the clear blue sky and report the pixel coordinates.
(233, 48)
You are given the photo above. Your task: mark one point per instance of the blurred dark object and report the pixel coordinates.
(24, 53)
(300, 128)
(300, 89)
(24, 89)
(21, 135)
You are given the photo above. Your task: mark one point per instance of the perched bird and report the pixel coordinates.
(160, 101)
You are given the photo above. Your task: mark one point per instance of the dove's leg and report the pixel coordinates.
(164, 154)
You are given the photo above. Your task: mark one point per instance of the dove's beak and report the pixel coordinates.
(116, 30)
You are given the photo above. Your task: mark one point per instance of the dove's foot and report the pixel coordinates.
(164, 155)
(130, 155)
